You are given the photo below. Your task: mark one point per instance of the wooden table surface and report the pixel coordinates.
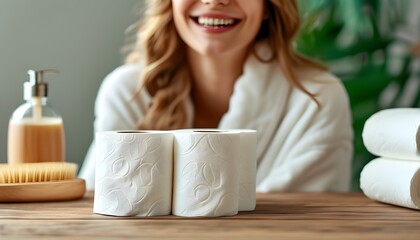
(277, 216)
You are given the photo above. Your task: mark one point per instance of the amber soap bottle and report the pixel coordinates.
(36, 131)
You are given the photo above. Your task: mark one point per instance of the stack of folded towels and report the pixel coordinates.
(393, 177)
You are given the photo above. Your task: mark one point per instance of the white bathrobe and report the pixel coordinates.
(301, 147)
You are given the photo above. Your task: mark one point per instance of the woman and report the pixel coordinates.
(231, 64)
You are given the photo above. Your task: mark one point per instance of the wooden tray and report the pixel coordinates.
(43, 191)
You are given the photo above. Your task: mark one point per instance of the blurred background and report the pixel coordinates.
(80, 38)
(372, 45)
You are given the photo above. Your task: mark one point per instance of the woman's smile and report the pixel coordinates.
(219, 27)
(215, 23)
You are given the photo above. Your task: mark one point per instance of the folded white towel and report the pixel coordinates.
(392, 181)
(393, 133)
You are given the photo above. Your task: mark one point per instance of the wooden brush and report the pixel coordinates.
(35, 182)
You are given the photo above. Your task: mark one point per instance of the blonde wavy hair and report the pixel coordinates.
(163, 53)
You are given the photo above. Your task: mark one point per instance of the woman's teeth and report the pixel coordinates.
(217, 22)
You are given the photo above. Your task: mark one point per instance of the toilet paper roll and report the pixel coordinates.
(206, 173)
(133, 173)
(247, 166)
(393, 133)
(392, 181)
(248, 170)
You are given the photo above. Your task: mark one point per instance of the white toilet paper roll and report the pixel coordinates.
(393, 133)
(247, 166)
(248, 170)
(206, 173)
(133, 173)
(392, 181)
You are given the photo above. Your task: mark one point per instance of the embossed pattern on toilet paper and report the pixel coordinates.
(133, 174)
(206, 174)
(247, 164)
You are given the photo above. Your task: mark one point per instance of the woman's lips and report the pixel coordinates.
(215, 24)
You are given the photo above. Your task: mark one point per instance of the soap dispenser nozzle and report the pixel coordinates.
(36, 89)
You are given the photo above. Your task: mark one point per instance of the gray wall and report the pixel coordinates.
(81, 38)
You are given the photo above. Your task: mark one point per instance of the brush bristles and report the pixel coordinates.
(37, 172)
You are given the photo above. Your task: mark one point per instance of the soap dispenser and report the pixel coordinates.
(36, 131)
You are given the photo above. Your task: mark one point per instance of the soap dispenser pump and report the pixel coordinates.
(36, 131)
